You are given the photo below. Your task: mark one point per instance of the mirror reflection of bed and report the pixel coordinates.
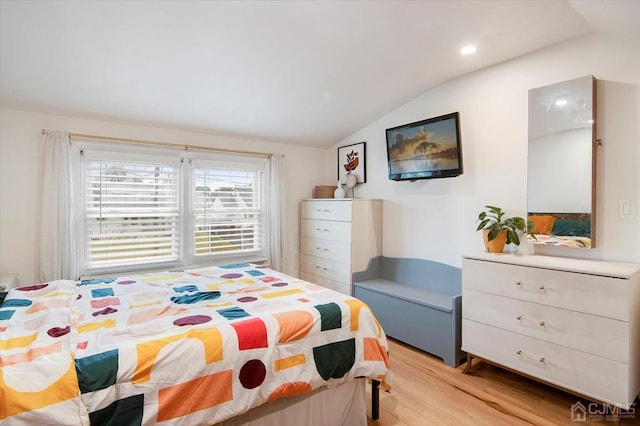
(561, 229)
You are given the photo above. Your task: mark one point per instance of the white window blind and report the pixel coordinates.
(150, 209)
(132, 213)
(228, 210)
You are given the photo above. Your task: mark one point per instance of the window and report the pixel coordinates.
(148, 212)
(132, 212)
(228, 215)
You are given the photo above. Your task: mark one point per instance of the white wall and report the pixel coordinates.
(21, 159)
(436, 219)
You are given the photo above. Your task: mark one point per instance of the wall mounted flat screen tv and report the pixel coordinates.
(425, 149)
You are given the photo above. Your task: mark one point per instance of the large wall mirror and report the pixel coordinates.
(561, 163)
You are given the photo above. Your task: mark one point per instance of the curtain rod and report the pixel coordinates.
(158, 143)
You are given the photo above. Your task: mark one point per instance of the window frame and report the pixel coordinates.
(229, 162)
(92, 149)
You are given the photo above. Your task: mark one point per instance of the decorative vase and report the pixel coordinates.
(339, 192)
(497, 244)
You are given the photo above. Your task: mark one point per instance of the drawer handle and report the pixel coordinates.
(519, 284)
(323, 249)
(324, 268)
(541, 323)
(322, 230)
(541, 360)
(323, 210)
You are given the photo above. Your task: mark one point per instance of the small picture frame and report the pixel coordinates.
(352, 160)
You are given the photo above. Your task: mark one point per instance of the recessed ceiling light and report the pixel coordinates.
(561, 102)
(468, 50)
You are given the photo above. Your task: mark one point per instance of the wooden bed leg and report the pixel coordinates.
(375, 399)
(467, 369)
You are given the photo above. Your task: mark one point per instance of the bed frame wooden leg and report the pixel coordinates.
(375, 399)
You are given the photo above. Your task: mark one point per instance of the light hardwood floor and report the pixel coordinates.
(428, 392)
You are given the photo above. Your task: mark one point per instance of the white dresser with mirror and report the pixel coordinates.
(572, 323)
(338, 237)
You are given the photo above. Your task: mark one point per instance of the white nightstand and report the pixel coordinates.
(8, 281)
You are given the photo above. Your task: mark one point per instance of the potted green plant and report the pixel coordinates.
(498, 230)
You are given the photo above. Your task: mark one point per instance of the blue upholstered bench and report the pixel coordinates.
(417, 301)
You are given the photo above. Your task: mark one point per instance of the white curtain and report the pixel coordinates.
(277, 210)
(59, 226)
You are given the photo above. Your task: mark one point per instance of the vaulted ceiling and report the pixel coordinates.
(303, 72)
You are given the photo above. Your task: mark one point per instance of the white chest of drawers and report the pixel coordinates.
(338, 237)
(569, 322)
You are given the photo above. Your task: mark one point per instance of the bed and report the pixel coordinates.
(231, 344)
(561, 229)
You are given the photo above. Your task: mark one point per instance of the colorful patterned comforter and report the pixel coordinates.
(561, 241)
(193, 347)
